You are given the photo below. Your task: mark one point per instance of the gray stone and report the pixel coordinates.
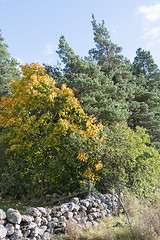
(68, 215)
(62, 219)
(85, 203)
(3, 232)
(47, 236)
(10, 228)
(41, 230)
(31, 225)
(26, 233)
(38, 220)
(13, 216)
(17, 235)
(75, 200)
(52, 224)
(33, 212)
(48, 211)
(43, 211)
(82, 208)
(2, 222)
(82, 213)
(95, 223)
(2, 214)
(49, 218)
(34, 232)
(44, 221)
(63, 208)
(16, 226)
(55, 220)
(27, 218)
(119, 224)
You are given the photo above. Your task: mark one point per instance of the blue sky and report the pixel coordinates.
(32, 28)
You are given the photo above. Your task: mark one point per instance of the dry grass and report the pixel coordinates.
(144, 223)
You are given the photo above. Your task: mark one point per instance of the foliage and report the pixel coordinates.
(44, 123)
(103, 95)
(145, 107)
(8, 68)
(129, 160)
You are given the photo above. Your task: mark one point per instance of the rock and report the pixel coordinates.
(47, 236)
(44, 221)
(119, 224)
(43, 211)
(29, 226)
(10, 228)
(13, 216)
(63, 208)
(34, 232)
(2, 222)
(38, 220)
(26, 233)
(49, 218)
(17, 235)
(16, 226)
(33, 212)
(62, 219)
(95, 223)
(52, 224)
(55, 220)
(3, 232)
(48, 211)
(68, 215)
(41, 230)
(75, 200)
(27, 218)
(85, 203)
(2, 214)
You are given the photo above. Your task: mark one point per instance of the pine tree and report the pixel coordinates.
(145, 107)
(8, 68)
(101, 81)
(106, 54)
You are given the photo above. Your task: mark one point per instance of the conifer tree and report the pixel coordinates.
(101, 81)
(145, 107)
(8, 70)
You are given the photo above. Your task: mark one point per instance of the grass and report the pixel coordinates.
(5, 204)
(143, 224)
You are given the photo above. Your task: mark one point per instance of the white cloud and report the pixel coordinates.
(152, 33)
(151, 13)
(49, 49)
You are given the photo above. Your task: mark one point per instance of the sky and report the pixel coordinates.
(32, 28)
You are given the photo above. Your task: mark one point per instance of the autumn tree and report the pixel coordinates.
(48, 128)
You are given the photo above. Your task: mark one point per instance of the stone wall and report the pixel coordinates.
(43, 223)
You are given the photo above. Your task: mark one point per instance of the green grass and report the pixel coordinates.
(5, 204)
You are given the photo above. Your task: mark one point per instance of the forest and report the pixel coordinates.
(92, 119)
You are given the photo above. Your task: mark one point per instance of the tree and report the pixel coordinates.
(145, 106)
(102, 92)
(106, 54)
(8, 68)
(129, 160)
(47, 128)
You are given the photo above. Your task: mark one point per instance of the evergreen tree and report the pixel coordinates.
(145, 106)
(8, 70)
(101, 81)
(106, 54)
